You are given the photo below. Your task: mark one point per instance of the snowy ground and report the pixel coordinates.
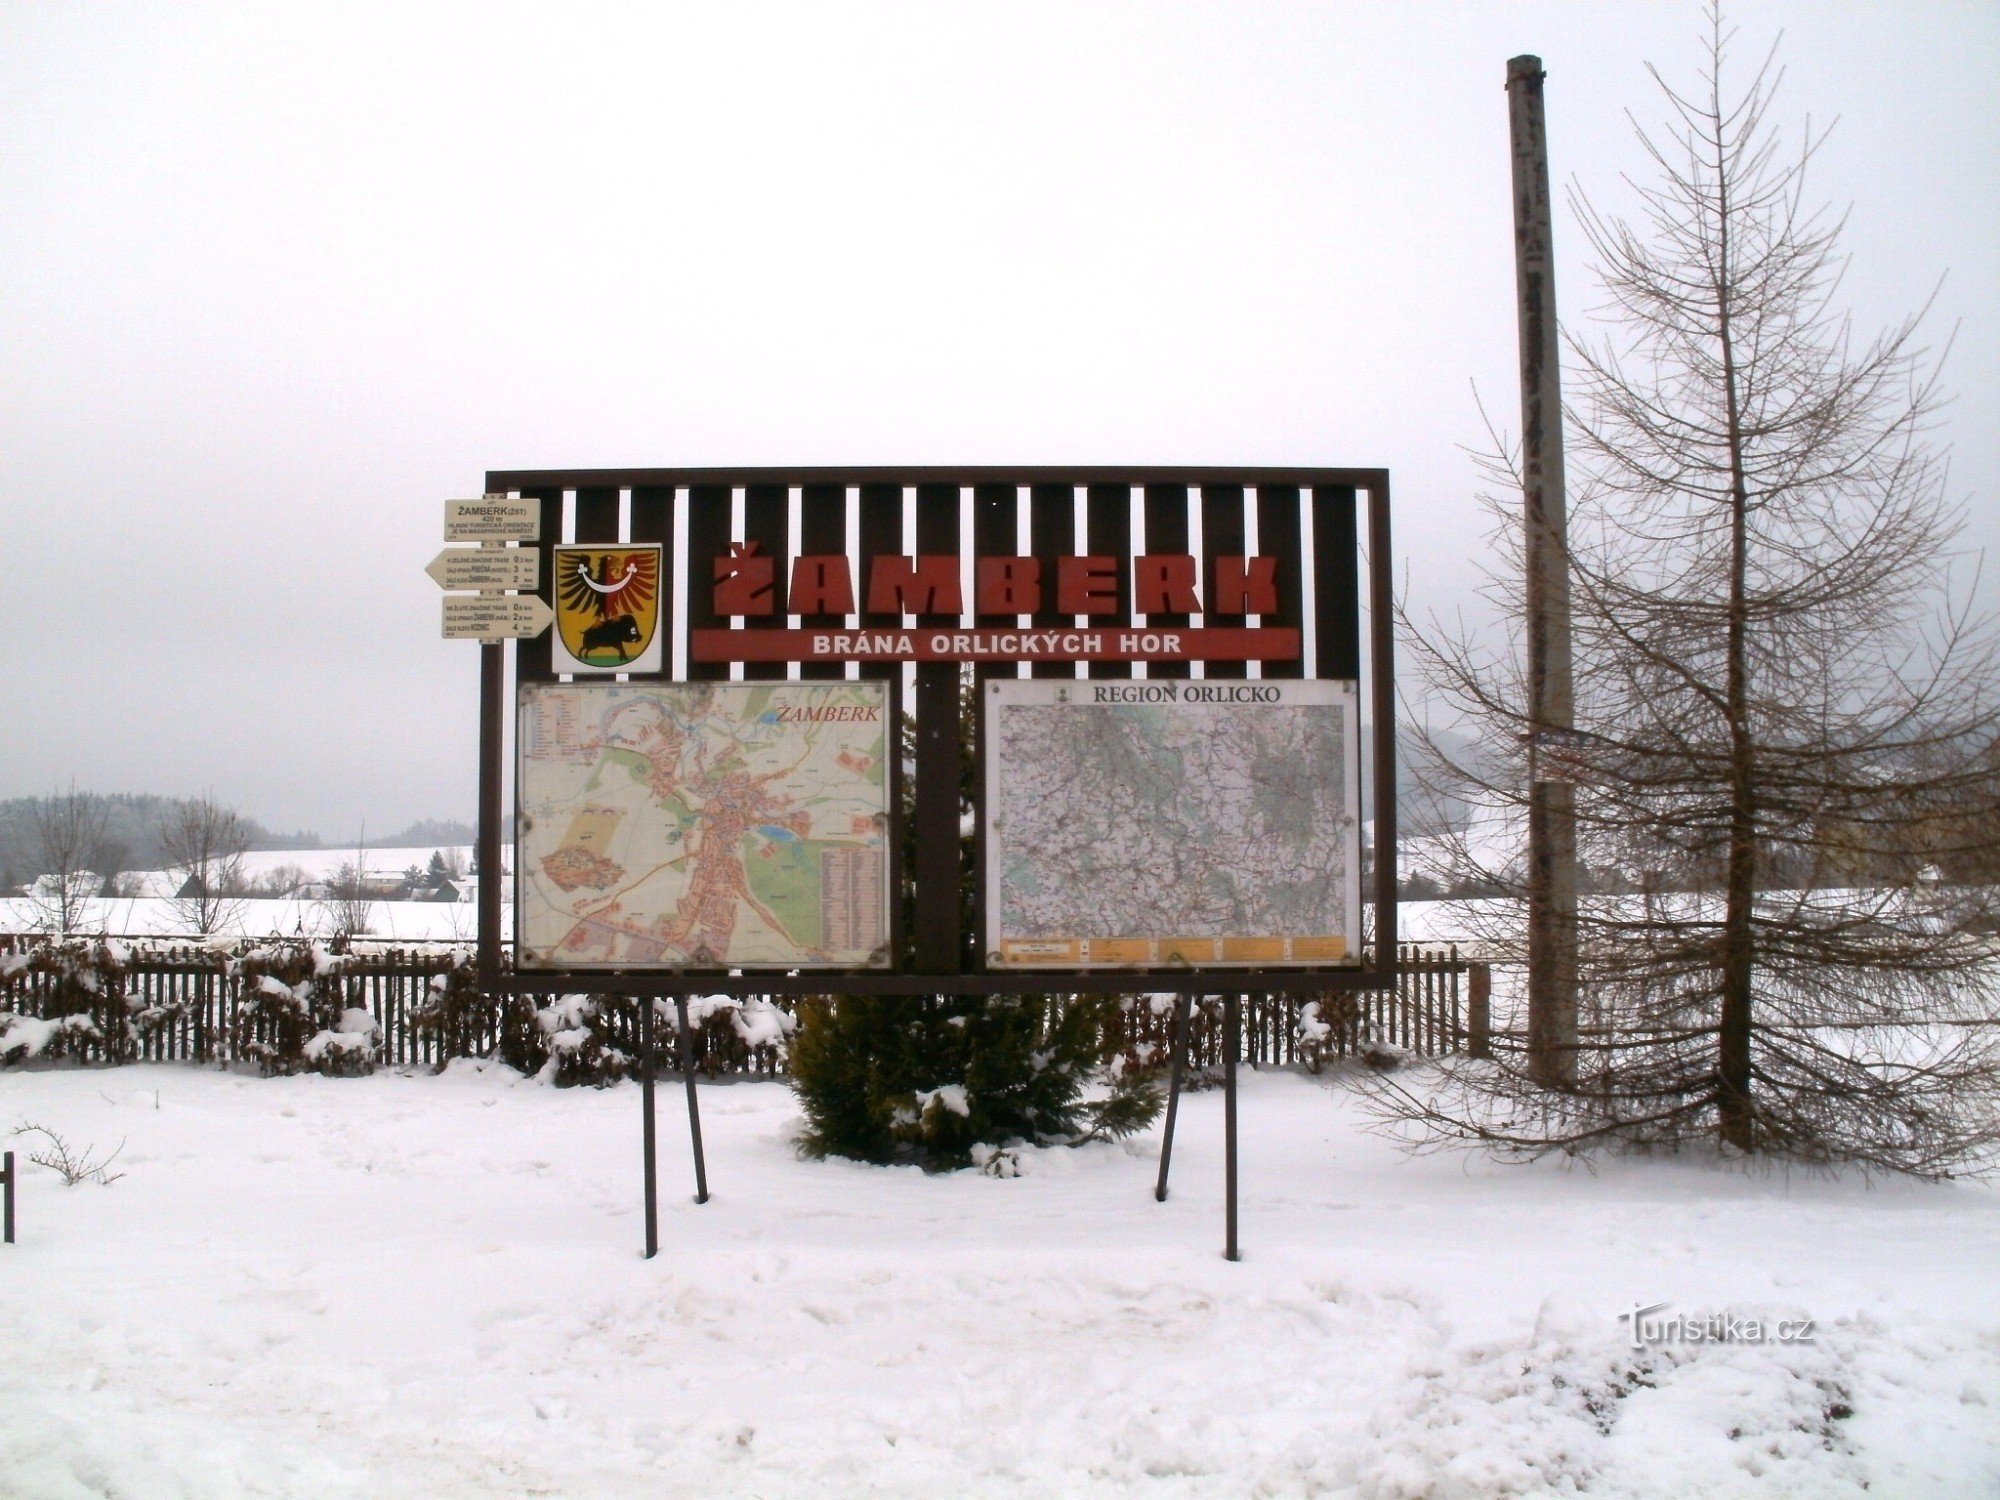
(431, 1287)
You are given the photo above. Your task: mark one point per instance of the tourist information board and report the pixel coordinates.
(703, 825)
(1172, 824)
(940, 731)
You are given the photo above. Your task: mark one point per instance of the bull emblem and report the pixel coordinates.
(607, 605)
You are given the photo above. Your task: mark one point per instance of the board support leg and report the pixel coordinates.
(646, 1109)
(1179, 1049)
(1232, 1026)
(694, 1108)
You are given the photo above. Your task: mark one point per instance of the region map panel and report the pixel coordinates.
(1160, 823)
(703, 825)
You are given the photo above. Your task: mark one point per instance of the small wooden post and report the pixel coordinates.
(1479, 1012)
(646, 1109)
(1181, 1003)
(7, 1194)
(694, 1108)
(1232, 1026)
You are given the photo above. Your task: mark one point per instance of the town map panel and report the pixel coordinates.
(695, 825)
(1142, 823)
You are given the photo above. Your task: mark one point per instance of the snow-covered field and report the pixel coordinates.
(431, 1287)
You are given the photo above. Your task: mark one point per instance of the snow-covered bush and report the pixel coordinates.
(1320, 1026)
(942, 1082)
(461, 1017)
(294, 1017)
(578, 1042)
(78, 986)
(749, 1035)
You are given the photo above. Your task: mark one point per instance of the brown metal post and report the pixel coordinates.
(492, 692)
(1552, 701)
(1181, 1004)
(1232, 1039)
(694, 1106)
(646, 1129)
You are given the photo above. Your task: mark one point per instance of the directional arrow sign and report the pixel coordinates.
(492, 518)
(487, 569)
(494, 617)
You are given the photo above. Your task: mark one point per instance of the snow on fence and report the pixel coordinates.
(289, 1006)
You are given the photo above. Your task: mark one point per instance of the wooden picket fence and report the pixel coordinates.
(187, 1003)
(1438, 1007)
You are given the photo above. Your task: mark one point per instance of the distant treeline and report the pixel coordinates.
(131, 839)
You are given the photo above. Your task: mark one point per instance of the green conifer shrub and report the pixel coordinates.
(928, 1080)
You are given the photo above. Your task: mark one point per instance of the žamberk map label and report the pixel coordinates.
(1172, 823)
(493, 518)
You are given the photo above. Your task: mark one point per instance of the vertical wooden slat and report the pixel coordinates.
(995, 532)
(652, 520)
(1278, 535)
(1336, 562)
(938, 757)
(708, 539)
(597, 514)
(1167, 533)
(822, 533)
(767, 522)
(1221, 536)
(533, 657)
(881, 535)
(1108, 533)
(1457, 1034)
(1051, 535)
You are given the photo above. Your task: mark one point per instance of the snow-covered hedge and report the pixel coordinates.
(295, 1016)
(80, 993)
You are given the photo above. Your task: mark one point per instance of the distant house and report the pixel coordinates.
(83, 885)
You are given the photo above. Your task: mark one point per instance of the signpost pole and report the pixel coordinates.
(1179, 1046)
(646, 1107)
(1232, 1018)
(492, 689)
(694, 1109)
(7, 1180)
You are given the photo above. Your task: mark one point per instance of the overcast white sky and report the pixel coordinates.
(275, 280)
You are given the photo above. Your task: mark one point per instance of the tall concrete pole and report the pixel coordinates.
(1551, 698)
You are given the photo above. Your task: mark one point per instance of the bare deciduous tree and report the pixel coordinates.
(1789, 721)
(350, 904)
(204, 843)
(69, 829)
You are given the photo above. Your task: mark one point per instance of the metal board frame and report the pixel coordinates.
(663, 504)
